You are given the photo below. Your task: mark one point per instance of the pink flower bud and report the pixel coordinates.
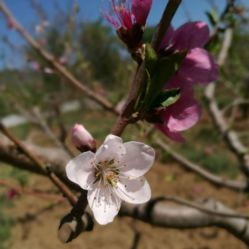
(82, 139)
(12, 193)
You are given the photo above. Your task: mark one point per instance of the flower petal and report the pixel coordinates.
(140, 9)
(183, 114)
(134, 191)
(138, 159)
(191, 35)
(176, 136)
(198, 67)
(81, 171)
(112, 148)
(104, 204)
(167, 38)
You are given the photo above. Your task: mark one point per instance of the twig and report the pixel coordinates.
(230, 136)
(44, 125)
(164, 24)
(136, 239)
(160, 214)
(236, 102)
(214, 179)
(55, 64)
(140, 76)
(57, 182)
(33, 192)
(200, 207)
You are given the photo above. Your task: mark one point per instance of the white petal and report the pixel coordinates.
(134, 191)
(105, 204)
(138, 159)
(112, 148)
(81, 171)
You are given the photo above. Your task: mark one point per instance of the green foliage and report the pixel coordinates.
(148, 34)
(217, 163)
(212, 16)
(101, 48)
(159, 71)
(167, 98)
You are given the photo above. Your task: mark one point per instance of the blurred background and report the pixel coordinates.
(40, 107)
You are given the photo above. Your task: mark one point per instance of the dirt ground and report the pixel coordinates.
(41, 232)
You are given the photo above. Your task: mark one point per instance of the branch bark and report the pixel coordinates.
(55, 64)
(214, 179)
(230, 136)
(163, 215)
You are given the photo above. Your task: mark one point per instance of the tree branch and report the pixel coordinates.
(160, 214)
(193, 167)
(55, 64)
(55, 180)
(204, 214)
(230, 136)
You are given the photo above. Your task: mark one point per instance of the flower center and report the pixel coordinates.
(106, 172)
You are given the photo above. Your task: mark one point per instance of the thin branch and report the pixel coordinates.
(56, 181)
(160, 214)
(164, 24)
(140, 76)
(193, 167)
(29, 191)
(230, 136)
(235, 103)
(55, 64)
(207, 214)
(45, 127)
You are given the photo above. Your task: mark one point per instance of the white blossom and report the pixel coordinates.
(114, 173)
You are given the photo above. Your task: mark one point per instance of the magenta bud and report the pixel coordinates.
(11, 194)
(82, 139)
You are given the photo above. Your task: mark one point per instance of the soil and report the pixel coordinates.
(40, 231)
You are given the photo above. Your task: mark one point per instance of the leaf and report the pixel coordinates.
(150, 58)
(166, 98)
(169, 97)
(165, 68)
(212, 17)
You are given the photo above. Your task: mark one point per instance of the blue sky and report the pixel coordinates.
(90, 10)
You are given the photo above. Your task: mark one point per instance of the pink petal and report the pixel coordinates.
(104, 204)
(141, 9)
(176, 136)
(167, 38)
(198, 67)
(138, 159)
(191, 35)
(182, 115)
(134, 191)
(111, 20)
(80, 170)
(112, 148)
(124, 16)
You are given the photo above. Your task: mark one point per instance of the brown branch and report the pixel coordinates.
(31, 191)
(230, 136)
(140, 76)
(195, 168)
(160, 214)
(56, 181)
(164, 24)
(55, 64)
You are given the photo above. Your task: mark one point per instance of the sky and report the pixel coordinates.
(90, 10)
